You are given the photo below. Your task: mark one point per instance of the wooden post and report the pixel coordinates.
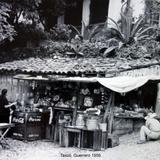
(85, 15)
(107, 108)
(157, 108)
(76, 106)
(159, 20)
(60, 20)
(111, 117)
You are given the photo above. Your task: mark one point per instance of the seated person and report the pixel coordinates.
(151, 130)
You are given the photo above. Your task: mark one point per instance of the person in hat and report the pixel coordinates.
(5, 107)
(151, 129)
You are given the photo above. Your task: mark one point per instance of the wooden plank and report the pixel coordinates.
(73, 130)
(104, 143)
(97, 139)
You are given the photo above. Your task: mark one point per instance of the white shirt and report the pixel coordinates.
(153, 124)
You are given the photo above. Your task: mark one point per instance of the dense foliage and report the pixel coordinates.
(152, 5)
(29, 22)
(20, 15)
(6, 29)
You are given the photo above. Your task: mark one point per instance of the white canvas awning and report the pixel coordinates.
(125, 83)
(120, 84)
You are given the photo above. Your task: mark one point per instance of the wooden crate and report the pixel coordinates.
(113, 140)
(72, 137)
(91, 139)
(104, 142)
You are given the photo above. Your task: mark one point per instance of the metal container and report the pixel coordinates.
(92, 123)
(80, 120)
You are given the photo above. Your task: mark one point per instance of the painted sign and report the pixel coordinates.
(20, 120)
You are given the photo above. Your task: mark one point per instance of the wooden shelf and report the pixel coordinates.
(63, 108)
(128, 117)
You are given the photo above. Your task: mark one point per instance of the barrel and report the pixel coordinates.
(80, 120)
(92, 123)
(103, 127)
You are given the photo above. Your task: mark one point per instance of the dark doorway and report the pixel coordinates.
(98, 11)
(144, 96)
(149, 94)
(73, 14)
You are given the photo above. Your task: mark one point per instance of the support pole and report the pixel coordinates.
(60, 20)
(76, 106)
(157, 108)
(111, 115)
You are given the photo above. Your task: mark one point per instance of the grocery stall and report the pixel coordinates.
(83, 107)
(75, 105)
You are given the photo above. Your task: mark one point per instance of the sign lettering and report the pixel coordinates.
(18, 134)
(18, 120)
(33, 135)
(34, 119)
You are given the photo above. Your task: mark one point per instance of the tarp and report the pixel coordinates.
(120, 84)
(125, 84)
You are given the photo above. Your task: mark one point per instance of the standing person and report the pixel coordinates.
(151, 130)
(5, 107)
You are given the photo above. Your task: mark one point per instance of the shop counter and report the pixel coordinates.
(28, 125)
(127, 124)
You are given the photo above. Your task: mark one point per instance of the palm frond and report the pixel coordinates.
(126, 26)
(94, 31)
(116, 24)
(75, 29)
(145, 30)
(109, 49)
(119, 36)
(126, 18)
(136, 26)
(142, 37)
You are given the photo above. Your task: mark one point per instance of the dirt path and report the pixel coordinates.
(40, 150)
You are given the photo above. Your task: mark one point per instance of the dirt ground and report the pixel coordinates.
(42, 150)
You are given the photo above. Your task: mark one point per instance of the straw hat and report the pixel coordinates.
(150, 115)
